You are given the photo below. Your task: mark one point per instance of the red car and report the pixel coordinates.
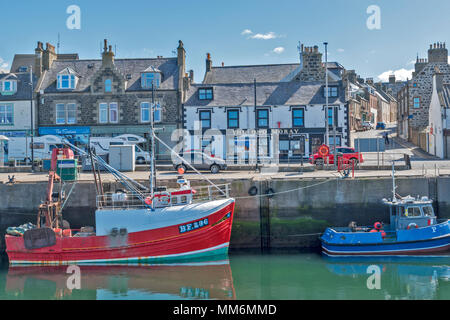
(347, 153)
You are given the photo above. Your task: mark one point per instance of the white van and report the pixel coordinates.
(101, 146)
(131, 138)
(19, 148)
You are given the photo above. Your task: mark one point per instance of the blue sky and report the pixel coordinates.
(150, 28)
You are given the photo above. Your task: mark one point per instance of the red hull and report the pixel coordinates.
(163, 244)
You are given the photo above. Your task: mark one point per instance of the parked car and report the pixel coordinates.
(347, 153)
(366, 125)
(200, 161)
(381, 126)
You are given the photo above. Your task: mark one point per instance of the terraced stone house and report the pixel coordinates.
(108, 96)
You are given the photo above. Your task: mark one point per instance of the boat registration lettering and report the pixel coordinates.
(193, 226)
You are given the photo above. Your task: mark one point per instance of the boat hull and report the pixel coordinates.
(412, 248)
(431, 240)
(167, 244)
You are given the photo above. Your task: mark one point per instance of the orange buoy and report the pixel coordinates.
(67, 233)
(180, 170)
(148, 200)
(373, 230)
(324, 150)
(377, 225)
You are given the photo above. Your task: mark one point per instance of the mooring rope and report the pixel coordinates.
(286, 191)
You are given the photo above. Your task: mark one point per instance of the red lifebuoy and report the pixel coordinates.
(412, 225)
(324, 150)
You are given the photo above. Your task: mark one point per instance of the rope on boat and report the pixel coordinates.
(68, 196)
(186, 162)
(129, 183)
(286, 191)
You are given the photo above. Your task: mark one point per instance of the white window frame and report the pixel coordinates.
(4, 113)
(71, 81)
(147, 83)
(157, 110)
(105, 112)
(12, 86)
(145, 108)
(70, 113)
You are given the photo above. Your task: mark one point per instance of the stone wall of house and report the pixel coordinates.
(421, 86)
(88, 107)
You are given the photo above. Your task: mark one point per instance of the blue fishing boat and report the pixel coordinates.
(413, 230)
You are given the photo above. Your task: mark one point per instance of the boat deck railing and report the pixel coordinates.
(129, 200)
(209, 193)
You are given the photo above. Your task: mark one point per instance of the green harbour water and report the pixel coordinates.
(240, 276)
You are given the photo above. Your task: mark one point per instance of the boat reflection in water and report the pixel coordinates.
(403, 279)
(195, 280)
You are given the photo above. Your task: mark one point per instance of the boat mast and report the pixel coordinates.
(152, 144)
(394, 199)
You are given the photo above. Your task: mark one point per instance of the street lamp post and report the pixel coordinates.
(32, 122)
(326, 94)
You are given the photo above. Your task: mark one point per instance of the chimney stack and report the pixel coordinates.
(38, 59)
(438, 53)
(312, 67)
(107, 55)
(392, 78)
(49, 55)
(208, 62)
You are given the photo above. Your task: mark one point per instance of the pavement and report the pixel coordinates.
(422, 163)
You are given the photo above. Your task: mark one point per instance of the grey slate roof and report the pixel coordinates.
(444, 96)
(262, 73)
(281, 93)
(22, 60)
(29, 60)
(86, 69)
(246, 74)
(23, 86)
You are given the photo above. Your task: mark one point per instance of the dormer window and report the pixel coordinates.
(67, 79)
(205, 94)
(9, 86)
(332, 91)
(66, 82)
(149, 78)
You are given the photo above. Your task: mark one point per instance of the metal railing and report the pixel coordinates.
(129, 200)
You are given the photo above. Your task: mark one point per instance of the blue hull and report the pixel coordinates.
(433, 240)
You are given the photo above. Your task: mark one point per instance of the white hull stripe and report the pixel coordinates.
(391, 255)
(131, 259)
(396, 250)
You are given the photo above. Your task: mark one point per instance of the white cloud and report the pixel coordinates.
(3, 66)
(278, 50)
(400, 74)
(340, 50)
(265, 36)
(246, 31)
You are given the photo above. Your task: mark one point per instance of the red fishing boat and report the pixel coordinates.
(138, 224)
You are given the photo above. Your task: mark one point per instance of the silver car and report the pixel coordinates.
(200, 161)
